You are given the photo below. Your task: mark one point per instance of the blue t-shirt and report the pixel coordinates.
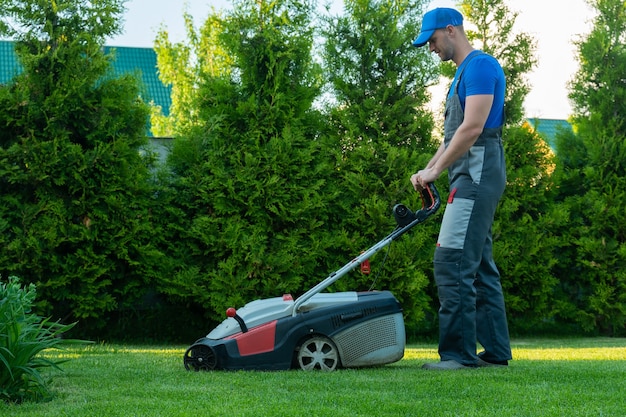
(482, 74)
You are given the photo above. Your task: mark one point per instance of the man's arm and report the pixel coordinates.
(435, 158)
(477, 110)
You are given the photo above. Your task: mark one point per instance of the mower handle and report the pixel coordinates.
(430, 204)
(430, 200)
(406, 219)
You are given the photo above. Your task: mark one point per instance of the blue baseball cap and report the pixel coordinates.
(435, 19)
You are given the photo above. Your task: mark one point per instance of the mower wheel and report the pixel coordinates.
(200, 358)
(318, 352)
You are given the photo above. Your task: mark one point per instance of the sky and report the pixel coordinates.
(545, 20)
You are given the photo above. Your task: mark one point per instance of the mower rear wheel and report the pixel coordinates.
(318, 352)
(200, 358)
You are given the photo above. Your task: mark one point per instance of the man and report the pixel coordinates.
(468, 282)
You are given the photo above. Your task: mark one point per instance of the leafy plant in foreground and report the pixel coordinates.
(23, 336)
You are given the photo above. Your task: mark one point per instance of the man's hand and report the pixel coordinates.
(424, 177)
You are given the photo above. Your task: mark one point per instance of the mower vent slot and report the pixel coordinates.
(341, 319)
(371, 336)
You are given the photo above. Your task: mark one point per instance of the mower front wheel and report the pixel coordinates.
(318, 352)
(200, 357)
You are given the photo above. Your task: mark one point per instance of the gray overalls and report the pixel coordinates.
(470, 295)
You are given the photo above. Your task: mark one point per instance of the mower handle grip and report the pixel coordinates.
(430, 200)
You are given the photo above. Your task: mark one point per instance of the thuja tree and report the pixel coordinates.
(249, 185)
(75, 217)
(525, 230)
(377, 110)
(593, 168)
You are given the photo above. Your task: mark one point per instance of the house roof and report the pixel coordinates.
(126, 59)
(9, 67)
(549, 128)
(143, 60)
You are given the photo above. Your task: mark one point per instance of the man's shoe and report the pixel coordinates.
(481, 363)
(449, 365)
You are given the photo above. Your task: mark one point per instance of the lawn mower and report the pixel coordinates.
(323, 331)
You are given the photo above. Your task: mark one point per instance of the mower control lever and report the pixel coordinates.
(231, 312)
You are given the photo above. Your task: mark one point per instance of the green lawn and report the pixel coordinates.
(578, 377)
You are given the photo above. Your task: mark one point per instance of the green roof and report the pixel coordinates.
(9, 67)
(126, 60)
(549, 128)
(143, 60)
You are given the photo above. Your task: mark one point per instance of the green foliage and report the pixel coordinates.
(66, 20)
(23, 337)
(377, 78)
(181, 65)
(524, 241)
(592, 172)
(249, 187)
(75, 181)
